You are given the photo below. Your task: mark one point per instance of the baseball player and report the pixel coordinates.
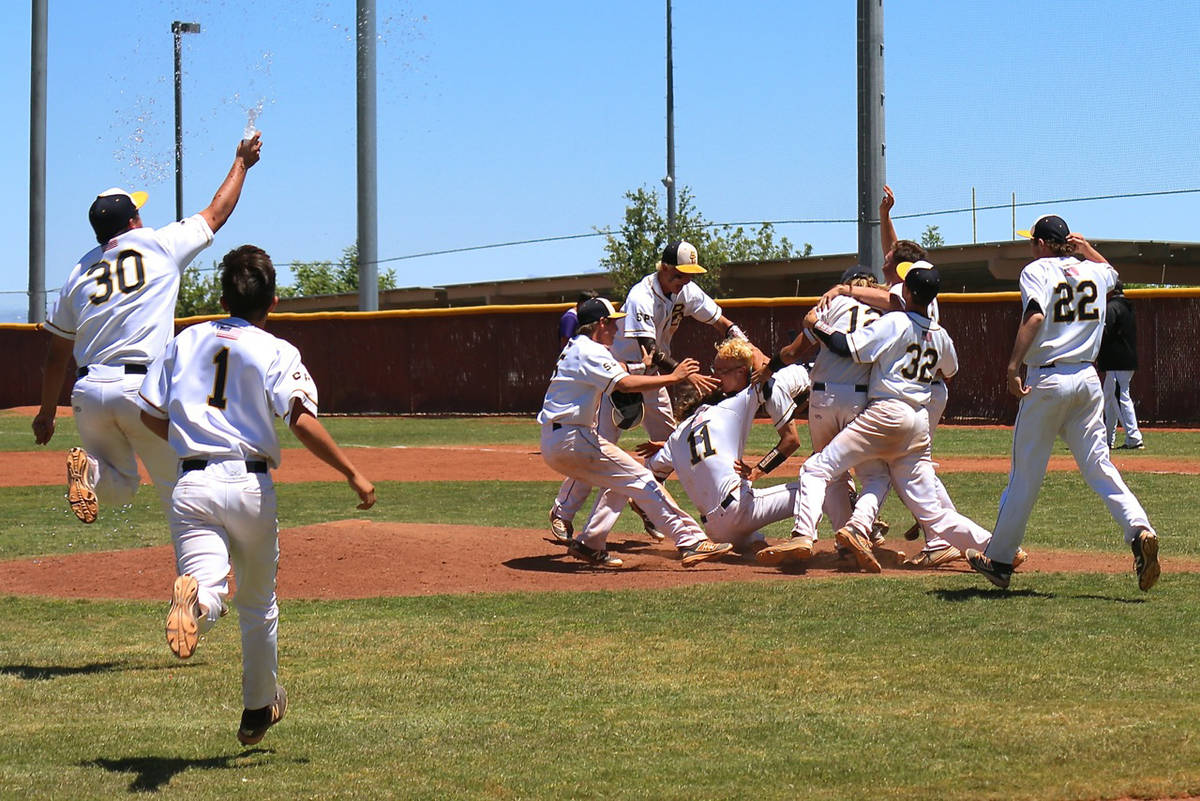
(213, 396)
(899, 256)
(906, 350)
(1063, 299)
(654, 308)
(1118, 361)
(707, 448)
(116, 313)
(839, 393)
(573, 445)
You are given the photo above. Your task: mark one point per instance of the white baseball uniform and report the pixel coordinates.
(839, 394)
(118, 306)
(906, 350)
(221, 384)
(1064, 399)
(703, 449)
(939, 396)
(649, 313)
(571, 445)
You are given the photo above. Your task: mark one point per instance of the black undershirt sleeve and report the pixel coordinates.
(835, 341)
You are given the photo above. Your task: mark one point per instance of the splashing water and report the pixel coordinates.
(252, 117)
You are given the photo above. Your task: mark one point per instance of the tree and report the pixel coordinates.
(932, 238)
(329, 278)
(634, 250)
(199, 291)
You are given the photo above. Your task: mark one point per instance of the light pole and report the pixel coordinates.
(178, 29)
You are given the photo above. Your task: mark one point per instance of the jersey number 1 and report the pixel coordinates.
(221, 360)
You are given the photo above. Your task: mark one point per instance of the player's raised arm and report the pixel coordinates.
(226, 198)
(312, 435)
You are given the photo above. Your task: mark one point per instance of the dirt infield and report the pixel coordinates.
(364, 559)
(500, 463)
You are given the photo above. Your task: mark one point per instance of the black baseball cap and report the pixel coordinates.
(597, 309)
(683, 256)
(857, 271)
(112, 210)
(923, 281)
(1049, 227)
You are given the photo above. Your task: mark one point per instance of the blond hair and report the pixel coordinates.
(736, 349)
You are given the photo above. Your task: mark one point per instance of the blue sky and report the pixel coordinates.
(510, 121)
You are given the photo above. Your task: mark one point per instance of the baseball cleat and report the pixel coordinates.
(934, 557)
(592, 556)
(913, 532)
(561, 529)
(183, 633)
(1020, 558)
(860, 548)
(255, 722)
(797, 549)
(647, 526)
(1140, 446)
(80, 492)
(879, 531)
(1145, 559)
(998, 573)
(704, 550)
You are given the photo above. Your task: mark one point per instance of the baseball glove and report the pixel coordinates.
(627, 409)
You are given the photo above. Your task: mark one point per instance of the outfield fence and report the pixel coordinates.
(498, 359)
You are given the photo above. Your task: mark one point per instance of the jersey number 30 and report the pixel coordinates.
(104, 271)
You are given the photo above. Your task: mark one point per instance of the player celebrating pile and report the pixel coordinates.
(1063, 297)
(705, 451)
(654, 308)
(906, 350)
(213, 396)
(572, 446)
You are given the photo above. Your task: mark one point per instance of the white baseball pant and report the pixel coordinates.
(750, 510)
(939, 397)
(582, 454)
(830, 410)
(225, 514)
(1064, 401)
(657, 419)
(1118, 405)
(895, 432)
(110, 427)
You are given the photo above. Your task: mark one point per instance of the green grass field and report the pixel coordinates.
(1067, 687)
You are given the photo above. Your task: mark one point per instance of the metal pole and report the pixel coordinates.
(974, 236)
(178, 29)
(1014, 215)
(37, 163)
(669, 181)
(368, 246)
(872, 150)
(178, 122)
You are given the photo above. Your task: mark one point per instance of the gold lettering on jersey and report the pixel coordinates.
(676, 315)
